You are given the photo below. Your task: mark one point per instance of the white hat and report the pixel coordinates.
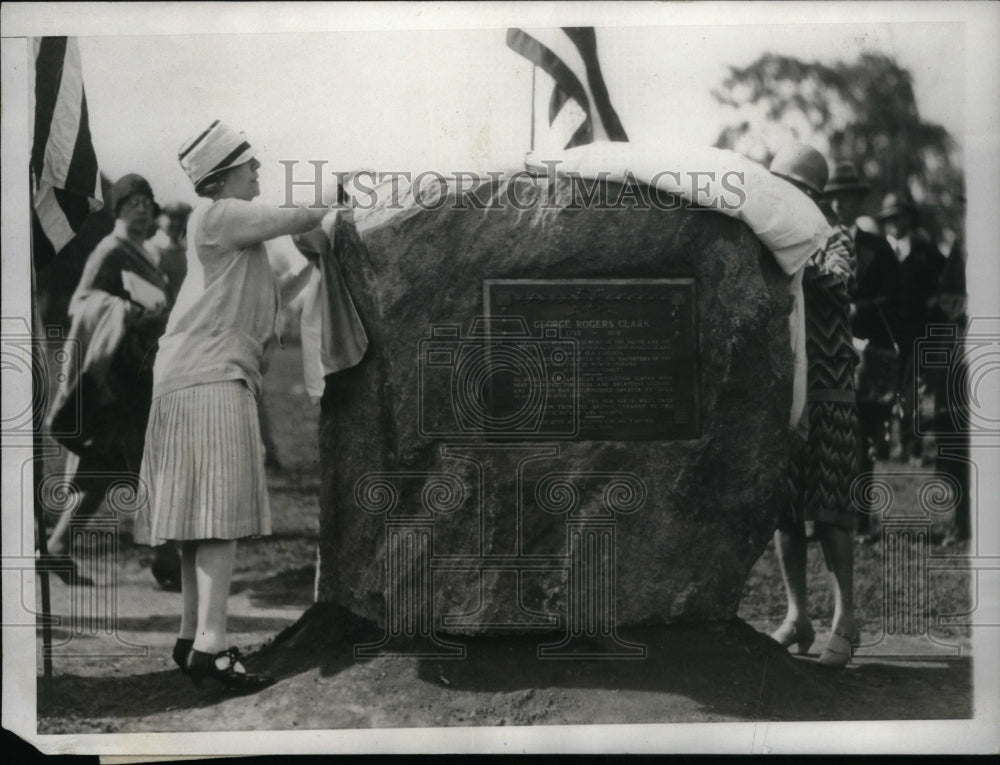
(217, 148)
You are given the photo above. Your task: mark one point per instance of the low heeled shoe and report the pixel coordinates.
(790, 633)
(840, 649)
(225, 667)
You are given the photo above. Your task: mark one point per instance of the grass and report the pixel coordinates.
(947, 592)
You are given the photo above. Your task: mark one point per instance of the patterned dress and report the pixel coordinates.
(823, 468)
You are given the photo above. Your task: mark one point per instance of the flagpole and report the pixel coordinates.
(533, 69)
(37, 451)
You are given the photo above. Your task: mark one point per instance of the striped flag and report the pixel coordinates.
(569, 56)
(65, 181)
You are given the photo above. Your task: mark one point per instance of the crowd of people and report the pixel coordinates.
(876, 293)
(176, 312)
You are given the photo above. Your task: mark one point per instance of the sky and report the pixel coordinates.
(446, 99)
(414, 86)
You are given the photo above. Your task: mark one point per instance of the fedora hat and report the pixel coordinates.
(801, 164)
(896, 204)
(215, 149)
(845, 178)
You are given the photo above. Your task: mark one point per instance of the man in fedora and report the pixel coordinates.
(876, 263)
(919, 265)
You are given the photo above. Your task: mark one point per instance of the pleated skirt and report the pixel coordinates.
(203, 467)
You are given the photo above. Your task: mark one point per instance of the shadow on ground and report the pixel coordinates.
(691, 672)
(728, 669)
(291, 588)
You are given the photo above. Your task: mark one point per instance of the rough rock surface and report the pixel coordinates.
(710, 503)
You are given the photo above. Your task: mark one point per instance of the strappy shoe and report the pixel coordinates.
(182, 648)
(840, 649)
(227, 668)
(790, 633)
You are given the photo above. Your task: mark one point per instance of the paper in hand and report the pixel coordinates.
(142, 292)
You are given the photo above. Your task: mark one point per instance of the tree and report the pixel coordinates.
(864, 111)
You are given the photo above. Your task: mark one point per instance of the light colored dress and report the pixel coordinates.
(203, 462)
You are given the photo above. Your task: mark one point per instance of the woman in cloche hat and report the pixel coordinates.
(118, 311)
(203, 462)
(825, 464)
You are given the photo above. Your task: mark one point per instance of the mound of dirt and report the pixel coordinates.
(695, 672)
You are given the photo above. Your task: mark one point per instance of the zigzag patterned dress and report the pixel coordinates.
(823, 468)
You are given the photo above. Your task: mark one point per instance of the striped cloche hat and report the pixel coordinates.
(217, 148)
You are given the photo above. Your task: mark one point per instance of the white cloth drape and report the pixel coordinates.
(333, 337)
(788, 223)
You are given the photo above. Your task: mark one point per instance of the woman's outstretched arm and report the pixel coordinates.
(247, 223)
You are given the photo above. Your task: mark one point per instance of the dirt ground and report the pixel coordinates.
(115, 674)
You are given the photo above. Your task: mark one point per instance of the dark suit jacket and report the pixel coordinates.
(908, 308)
(876, 278)
(949, 307)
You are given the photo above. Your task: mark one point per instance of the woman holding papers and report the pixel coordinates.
(203, 462)
(118, 312)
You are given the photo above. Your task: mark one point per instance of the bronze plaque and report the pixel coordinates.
(636, 347)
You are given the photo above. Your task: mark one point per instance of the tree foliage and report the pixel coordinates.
(864, 111)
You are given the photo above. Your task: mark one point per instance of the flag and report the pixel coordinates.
(65, 185)
(65, 181)
(569, 56)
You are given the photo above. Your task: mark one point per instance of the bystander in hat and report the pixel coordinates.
(845, 179)
(896, 204)
(127, 186)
